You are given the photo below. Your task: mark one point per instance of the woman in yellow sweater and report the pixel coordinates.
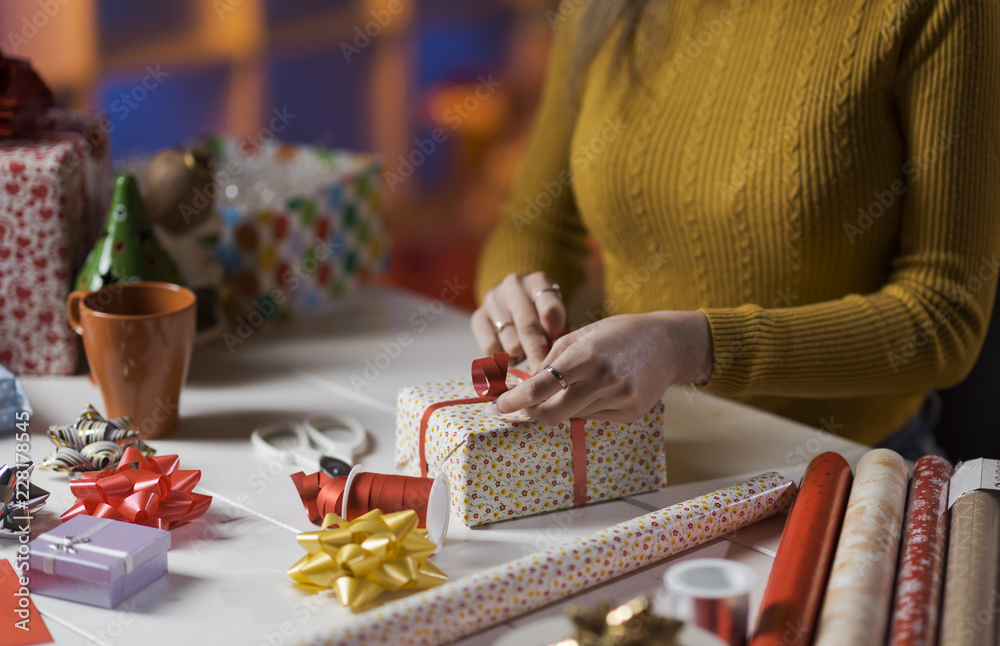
(795, 202)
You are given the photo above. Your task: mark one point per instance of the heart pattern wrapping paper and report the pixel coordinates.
(512, 466)
(51, 193)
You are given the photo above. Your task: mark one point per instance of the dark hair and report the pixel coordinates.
(596, 24)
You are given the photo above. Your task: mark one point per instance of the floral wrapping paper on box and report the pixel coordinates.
(97, 561)
(512, 466)
(53, 191)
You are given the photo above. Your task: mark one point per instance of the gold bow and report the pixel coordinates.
(360, 559)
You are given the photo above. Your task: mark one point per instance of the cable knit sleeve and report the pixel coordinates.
(540, 227)
(925, 326)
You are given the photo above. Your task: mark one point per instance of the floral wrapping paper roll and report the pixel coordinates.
(513, 466)
(858, 596)
(921, 565)
(460, 608)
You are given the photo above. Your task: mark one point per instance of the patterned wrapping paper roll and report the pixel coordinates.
(858, 597)
(791, 602)
(921, 562)
(969, 612)
(459, 608)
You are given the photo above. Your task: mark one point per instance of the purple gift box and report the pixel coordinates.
(97, 561)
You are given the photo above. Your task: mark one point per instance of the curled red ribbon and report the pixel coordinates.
(322, 495)
(145, 491)
(24, 97)
(489, 379)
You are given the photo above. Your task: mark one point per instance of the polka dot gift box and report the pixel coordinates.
(512, 466)
(302, 225)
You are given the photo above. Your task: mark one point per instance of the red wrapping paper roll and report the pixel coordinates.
(791, 603)
(915, 612)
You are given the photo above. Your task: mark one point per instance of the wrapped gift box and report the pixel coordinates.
(512, 466)
(97, 561)
(302, 224)
(14, 407)
(55, 188)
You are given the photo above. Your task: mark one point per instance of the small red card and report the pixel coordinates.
(20, 622)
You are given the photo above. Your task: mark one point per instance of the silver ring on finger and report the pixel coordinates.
(554, 288)
(498, 326)
(559, 377)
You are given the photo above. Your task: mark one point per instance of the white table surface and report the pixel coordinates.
(227, 580)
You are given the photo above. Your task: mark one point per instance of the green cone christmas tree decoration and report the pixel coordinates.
(127, 249)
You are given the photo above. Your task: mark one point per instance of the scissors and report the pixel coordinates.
(327, 443)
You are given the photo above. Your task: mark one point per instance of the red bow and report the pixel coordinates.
(489, 378)
(145, 491)
(24, 97)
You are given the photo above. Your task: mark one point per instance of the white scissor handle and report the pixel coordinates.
(300, 453)
(347, 450)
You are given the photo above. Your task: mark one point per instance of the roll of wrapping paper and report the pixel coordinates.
(459, 608)
(969, 611)
(916, 607)
(791, 603)
(858, 596)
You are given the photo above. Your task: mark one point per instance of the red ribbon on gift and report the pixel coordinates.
(24, 97)
(145, 491)
(489, 378)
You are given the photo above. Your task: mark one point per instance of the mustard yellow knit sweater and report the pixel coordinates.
(821, 178)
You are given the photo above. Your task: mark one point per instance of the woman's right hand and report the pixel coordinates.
(520, 316)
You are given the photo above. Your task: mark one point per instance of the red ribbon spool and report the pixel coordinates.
(356, 494)
(489, 379)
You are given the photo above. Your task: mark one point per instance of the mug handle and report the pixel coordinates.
(73, 309)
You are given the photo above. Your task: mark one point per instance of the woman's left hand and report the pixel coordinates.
(615, 369)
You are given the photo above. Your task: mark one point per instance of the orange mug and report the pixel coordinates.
(138, 338)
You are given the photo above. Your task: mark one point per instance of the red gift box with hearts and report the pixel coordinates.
(54, 189)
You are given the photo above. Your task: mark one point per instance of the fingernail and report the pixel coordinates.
(492, 410)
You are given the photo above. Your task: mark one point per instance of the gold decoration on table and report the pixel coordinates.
(630, 624)
(360, 559)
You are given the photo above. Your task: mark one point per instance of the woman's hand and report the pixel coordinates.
(520, 316)
(615, 369)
